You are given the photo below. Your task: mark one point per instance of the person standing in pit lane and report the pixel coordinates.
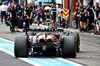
(82, 19)
(28, 15)
(90, 10)
(40, 10)
(19, 10)
(12, 10)
(65, 19)
(78, 15)
(3, 11)
(8, 13)
(97, 11)
(33, 11)
(60, 10)
(76, 12)
(54, 14)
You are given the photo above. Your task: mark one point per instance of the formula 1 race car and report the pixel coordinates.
(54, 42)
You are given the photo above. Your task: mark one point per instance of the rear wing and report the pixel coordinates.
(45, 30)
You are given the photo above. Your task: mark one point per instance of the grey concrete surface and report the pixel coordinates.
(8, 60)
(89, 54)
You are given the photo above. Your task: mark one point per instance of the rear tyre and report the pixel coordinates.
(21, 46)
(69, 49)
(76, 35)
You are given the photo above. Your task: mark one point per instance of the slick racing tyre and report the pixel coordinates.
(69, 49)
(76, 35)
(21, 46)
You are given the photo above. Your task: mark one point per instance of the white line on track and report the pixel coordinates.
(33, 63)
(70, 62)
(23, 59)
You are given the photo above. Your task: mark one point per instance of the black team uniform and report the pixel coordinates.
(13, 13)
(54, 13)
(91, 16)
(28, 13)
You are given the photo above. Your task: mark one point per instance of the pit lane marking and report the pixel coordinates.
(43, 60)
(85, 33)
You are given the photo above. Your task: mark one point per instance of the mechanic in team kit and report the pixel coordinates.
(76, 17)
(8, 13)
(33, 11)
(40, 10)
(12, 10)
(19, 10)
(28, 15)
(82, 19)
(97, 10)
(54, 14)
(90, 10)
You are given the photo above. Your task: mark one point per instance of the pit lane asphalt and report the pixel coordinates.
(89, 54)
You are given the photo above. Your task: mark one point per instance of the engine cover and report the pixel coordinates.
(47, 37)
